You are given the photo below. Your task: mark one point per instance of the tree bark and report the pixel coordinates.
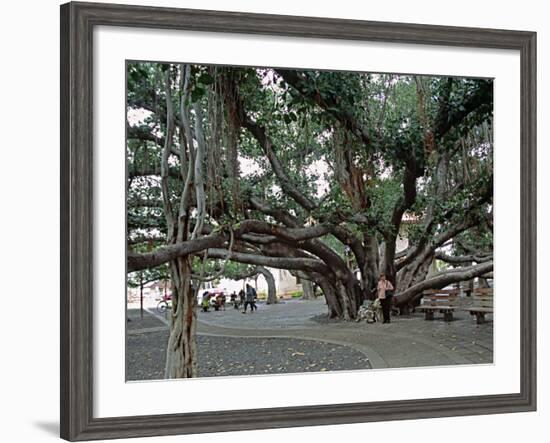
(307, 288)
(335, 308)
(303, 264)
(464, 259)
(271, 289)
(369, 270)
(181, 351)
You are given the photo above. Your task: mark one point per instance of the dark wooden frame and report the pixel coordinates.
(77, 23)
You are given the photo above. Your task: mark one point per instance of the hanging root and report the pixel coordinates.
(218, 274)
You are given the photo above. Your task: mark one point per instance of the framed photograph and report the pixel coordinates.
(273, 221)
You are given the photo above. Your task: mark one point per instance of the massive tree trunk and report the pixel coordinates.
(271, 289)
(346, 295)
(414, 271)
(408, 276)
(307, 288)
(334, 305)
(343, 297)
(369, 270)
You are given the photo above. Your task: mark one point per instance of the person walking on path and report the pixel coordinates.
(385, 293)
(241, 297)
(254, 305)
(233, 299)
(250, 296)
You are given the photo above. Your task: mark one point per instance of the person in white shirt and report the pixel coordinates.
(384, 286)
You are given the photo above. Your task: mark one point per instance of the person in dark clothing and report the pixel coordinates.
(241, 297)
(250, 298)
(255, 295)
(233, 299)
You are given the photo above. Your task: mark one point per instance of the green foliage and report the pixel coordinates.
(231, 270)
(346, 142)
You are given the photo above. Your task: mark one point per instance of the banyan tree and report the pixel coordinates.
(334, 176)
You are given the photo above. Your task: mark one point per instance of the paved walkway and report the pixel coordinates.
(405, 342)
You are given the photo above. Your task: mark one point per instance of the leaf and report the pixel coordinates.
(206, 79)
(197, 93)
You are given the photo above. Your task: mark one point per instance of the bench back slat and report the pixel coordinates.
(441, 291)
(440, 297)
(483, 291)
(483, 298)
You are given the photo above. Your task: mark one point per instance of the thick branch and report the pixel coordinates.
(171, 252)
(291, 235)
(303, 264)
(144, 133)
(260, 134)
(458, 259)
(405, 201)
(436, 242)
(136, 262)
(145, 239)
(152, 170)
(443, 279)
(333, 260)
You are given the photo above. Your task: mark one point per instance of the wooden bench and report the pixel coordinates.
(439, 300)
(482, 303)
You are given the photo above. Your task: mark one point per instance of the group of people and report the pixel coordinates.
(217, 301)
(248, 297)
(245, 298)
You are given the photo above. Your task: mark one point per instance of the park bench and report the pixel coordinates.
(439, 300)
(482, 304)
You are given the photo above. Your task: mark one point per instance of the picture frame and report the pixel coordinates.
(78, 21)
